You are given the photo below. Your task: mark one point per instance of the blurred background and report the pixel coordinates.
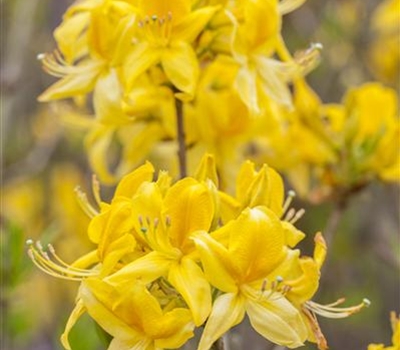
(43, 161)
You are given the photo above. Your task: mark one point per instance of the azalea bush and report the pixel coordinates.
(200, 127)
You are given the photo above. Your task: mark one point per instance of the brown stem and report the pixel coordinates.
(180, 138)
(218, 345)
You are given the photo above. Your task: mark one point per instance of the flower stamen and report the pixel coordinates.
(57, 267)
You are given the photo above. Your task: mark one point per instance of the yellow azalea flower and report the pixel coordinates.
(166, 224)
(395, 338)
(254, 188)
(105, 37)
(164, 35)
(135, 124)
(371, 143)
(134, 317)
(238, 268)
(255, 38)
(339, 147)
(218, 121)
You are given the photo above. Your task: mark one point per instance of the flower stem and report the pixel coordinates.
(180, 138)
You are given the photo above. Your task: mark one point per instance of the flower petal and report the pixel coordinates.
(130, 183)
(141, 57)
(80, 81)
(189, 280)
(179, 62)
(97, 298)
(278, 321)
(228, 311)
(175, 328)
(216, 262)
(147, 268)
(256, 243)
(190, 207)
(77, 312)
(190, 27)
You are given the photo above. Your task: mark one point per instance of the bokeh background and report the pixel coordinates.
(43, 160)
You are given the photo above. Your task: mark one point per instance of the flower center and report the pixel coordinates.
(156, 30)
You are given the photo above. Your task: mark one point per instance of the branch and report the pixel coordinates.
(181, 138)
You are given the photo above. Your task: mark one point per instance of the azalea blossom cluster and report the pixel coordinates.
(132, 60)
(174, 256)
(340, 148)
(210, 82)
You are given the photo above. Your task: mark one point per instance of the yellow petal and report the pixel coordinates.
(161, 8)
(320, 249)
(107, 98)
(70, 38)
(207, 169)
(189, 280)
(190, 27)
(180, 64)
(305, 286)
(141, 57)
(230, 207)
(176, 328)
(275, 75)
(97, 298)
(130, 183)
(77, 312)
(138, 140)
(256, 243)
(246, 86)
(278, 321)
(147, 268)
(217, 263)
(116, 250)
(190, 207)
(80, 81)
(262, 23)
(292, 235)
(97, 143)
(228, 311)
(129, 344)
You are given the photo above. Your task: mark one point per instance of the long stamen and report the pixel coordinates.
(84, 203)
(291, 194)
(96, 189)
(54, 64)
(299, 214)
(57, 268)
(331, 311)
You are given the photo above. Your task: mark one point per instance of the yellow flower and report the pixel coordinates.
(218, 121)
(164, 36)
(134, 317)
(166, 223)
(99, 38)
(254, 188)
(238, 268)
(370, 142)
(255, 38)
